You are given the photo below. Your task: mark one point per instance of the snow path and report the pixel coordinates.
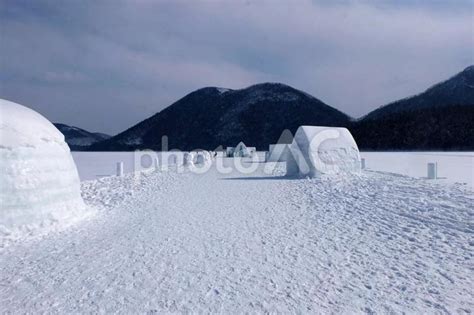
(214, 243)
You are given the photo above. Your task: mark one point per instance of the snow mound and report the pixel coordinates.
(323, 150)
(38, 178)
(188, 159)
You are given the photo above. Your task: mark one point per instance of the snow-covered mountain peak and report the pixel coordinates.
(269, 85)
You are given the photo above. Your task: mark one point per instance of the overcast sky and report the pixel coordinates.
(105, 65)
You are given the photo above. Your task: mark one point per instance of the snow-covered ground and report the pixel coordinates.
(453, 167)
(183, 242)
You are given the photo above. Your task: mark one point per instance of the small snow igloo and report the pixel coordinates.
(241, 150)
(203, 157)
(188, 158)
(39, 183)
(322, 150)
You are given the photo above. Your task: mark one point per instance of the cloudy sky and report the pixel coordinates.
(105, 65)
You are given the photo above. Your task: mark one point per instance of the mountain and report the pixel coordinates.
(211, 116)
(441, 118)
(444, 128)
(438, 119)
(78, 138)
(458, 90)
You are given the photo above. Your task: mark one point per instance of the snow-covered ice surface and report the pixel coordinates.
(94, 165)
(175, 242)
(453, 167)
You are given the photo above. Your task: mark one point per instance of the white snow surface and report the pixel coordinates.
(171, 242)
(39, 183)
(23, 127)
(453, 167)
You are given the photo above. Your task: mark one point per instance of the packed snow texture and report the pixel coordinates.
(188, 243)
(39, 183)
(322, 150)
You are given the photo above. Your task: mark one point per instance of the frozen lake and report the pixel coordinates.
(453, 167)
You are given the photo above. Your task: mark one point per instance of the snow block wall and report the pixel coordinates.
(39, 183)
(322, 150)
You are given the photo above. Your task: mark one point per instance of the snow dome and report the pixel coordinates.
(39, 182)
(323, 150)
(188, 159)
(203, 157)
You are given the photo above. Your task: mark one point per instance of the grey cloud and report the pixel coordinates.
(104, 65)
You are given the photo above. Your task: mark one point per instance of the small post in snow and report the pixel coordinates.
(362, 163)
(432, 170)
(119, 169)
(157, 164)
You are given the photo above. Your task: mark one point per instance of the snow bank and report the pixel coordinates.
(323, 150)
(39, 183)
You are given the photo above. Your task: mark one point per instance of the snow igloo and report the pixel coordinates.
(203, 157)
(241, 150)
(39, 183)
(188, 158)
(322, 150)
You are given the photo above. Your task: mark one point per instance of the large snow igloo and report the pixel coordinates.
(322, 150)
(39, 183)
